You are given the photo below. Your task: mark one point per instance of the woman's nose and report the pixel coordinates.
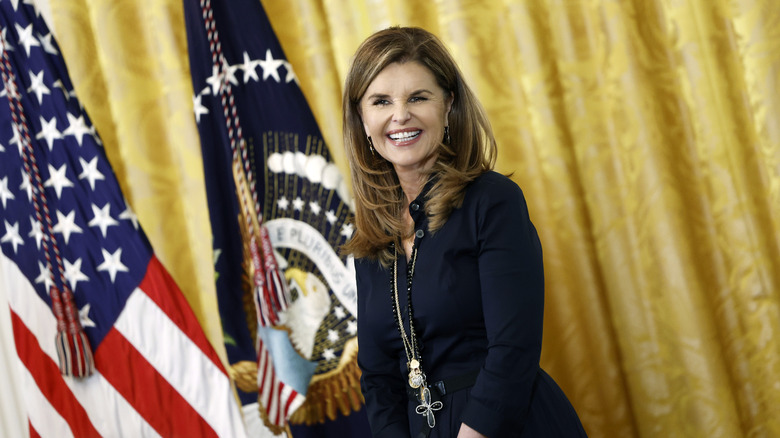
(401, 114)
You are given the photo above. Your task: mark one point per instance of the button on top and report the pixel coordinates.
(419, 233)
(415, 206)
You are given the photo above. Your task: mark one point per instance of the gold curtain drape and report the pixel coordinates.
(644, 133)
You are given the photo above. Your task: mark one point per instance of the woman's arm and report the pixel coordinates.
(512, 292)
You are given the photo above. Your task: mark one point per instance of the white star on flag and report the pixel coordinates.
(315, 207)
(330, 215)
(44, 277)
(230, 73)
(352, 327)
(84, 316)
(49, 131)
(36, 231)
(283, 203)
(46, 43)
(328, 354)
(12, 235)
(291, 76)
(26, 37)
(129, 215)
(67, 225)
(270, 66)
(333, 335)
(112, 263)
(102, 218)
(198, 107)
(5, 193)
(217, 78)
(57, 179)
(347, 230)
(73, 273)
(298, 203)
(250, 69)
(90, 171)
(16, 140)
(37, 86)
(26, 186)
(77, 128)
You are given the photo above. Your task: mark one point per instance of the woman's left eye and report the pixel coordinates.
(417, 99)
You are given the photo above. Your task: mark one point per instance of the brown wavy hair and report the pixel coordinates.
(470, 152)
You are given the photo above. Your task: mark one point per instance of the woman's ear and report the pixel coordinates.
(360, 114)
(450, 100)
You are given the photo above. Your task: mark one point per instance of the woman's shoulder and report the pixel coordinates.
(493, 185)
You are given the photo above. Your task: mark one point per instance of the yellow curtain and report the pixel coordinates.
(644, 133)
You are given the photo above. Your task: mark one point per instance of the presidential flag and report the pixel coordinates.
(277, 204)
(107, 344)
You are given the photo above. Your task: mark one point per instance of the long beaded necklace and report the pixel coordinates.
(417, 378)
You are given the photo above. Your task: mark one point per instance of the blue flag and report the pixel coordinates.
(271, 182)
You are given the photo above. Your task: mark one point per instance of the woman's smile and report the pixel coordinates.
(404, 137)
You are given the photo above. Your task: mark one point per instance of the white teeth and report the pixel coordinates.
(404, 135)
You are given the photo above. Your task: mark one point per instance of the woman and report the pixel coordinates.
(448, 265)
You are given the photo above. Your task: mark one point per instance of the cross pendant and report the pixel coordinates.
(426, 408)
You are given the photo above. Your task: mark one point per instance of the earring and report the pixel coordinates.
(370, 144)
(446, 135)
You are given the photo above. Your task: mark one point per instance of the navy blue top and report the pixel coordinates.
(478, 302)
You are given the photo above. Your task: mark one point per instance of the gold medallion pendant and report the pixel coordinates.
(416, 378)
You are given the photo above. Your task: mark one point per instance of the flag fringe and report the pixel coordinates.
(333, 393)
(328, 395)
(75, 354)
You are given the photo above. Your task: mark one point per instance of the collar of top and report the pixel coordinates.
(417, 207)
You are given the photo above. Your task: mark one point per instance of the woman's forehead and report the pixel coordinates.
(407, 77)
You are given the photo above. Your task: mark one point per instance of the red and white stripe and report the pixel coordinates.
(156, 374)
(277, 399)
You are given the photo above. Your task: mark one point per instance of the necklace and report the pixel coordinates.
(417, 378)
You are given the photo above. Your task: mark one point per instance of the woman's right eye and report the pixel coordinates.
(381, 102)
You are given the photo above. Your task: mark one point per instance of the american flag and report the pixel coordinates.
(67, 232)
(266, 163)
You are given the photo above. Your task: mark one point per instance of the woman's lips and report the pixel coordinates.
(404, 137)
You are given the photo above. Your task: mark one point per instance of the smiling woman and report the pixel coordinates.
(456, 351)
(404, 112)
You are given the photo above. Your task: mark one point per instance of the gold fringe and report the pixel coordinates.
(244, 373)
(276, 429)
(334, 392)
(329, 394)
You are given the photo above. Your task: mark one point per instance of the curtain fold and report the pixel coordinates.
(644, 133)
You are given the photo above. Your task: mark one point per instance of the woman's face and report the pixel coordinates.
(404, 111)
